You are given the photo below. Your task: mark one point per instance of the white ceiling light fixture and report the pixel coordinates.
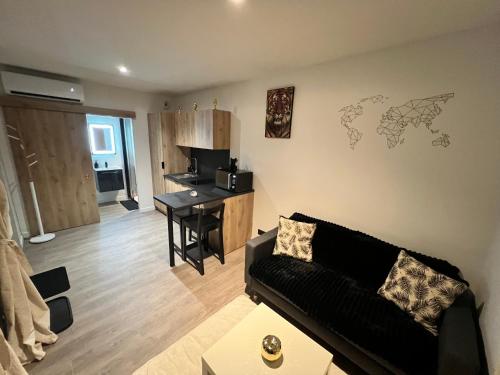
(237, 2)
(123, 69)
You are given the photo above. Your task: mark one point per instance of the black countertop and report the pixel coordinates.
(205, 187)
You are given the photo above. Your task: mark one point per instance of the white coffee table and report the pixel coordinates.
(238, 352)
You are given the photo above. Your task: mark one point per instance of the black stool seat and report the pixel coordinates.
(182, 214)
(61, 315)
(208, 223)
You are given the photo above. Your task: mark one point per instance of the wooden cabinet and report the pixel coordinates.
(169, 187)
(156, 154)
(184, 128)
(209, 129)
(174, 187)
(166, 156)
(212, 129)
(238, 214)
(109, 180)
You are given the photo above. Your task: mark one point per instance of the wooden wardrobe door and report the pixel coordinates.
(63, 177)
(156, 153)
(175, 158)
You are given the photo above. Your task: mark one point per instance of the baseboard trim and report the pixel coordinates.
(147, 209)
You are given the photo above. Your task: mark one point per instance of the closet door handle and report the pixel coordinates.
(162, 165)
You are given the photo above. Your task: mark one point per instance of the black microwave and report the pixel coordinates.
(238, 181)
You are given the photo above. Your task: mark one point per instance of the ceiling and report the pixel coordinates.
(183, 45)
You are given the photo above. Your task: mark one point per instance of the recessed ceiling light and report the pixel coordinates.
(237, 2)
(122, 69)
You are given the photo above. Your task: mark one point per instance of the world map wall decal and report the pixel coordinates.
(396, 119)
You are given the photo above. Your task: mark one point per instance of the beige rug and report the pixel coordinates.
(184, 356)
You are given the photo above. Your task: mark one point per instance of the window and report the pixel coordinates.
(102, 139)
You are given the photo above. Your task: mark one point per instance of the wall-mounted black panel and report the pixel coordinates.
(210, 160)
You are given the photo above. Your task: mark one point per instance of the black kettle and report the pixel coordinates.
(233, 168)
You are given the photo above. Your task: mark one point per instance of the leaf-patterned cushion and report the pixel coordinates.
(420, 291)
(294, 239)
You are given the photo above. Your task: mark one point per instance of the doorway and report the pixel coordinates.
(113, 159)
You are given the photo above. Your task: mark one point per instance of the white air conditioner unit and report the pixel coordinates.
(43, 88)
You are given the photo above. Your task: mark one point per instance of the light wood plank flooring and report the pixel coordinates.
(128, 304)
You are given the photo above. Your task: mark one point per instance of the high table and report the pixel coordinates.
(183, 199)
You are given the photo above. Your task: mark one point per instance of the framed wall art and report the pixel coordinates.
(279, 112)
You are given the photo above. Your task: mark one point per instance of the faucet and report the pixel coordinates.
(195, 169)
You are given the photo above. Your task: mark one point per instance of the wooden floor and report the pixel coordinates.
(128, 304)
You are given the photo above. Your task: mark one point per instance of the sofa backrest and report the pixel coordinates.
(361, 256)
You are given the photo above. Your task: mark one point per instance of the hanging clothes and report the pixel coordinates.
(9, 363)
(27, 315)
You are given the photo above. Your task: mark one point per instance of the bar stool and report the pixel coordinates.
(202, 224)
(178, 216)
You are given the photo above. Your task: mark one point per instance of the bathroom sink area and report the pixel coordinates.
(107, 169)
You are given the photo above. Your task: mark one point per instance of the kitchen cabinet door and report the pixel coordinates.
(208, 129)
(175, 158)
(156, 154)
(185, 133)
(166, 156)
(174, 187)
(213, 129)
(238, 216)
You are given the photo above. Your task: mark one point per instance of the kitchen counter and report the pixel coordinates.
(238, 213)
(194, 181)
(203, 184)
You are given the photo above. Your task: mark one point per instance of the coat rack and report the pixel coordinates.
(30, 161)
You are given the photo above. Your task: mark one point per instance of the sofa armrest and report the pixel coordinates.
(458, 351)
(258, 248)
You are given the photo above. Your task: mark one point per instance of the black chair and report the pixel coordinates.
(202, 224)
(49, 284)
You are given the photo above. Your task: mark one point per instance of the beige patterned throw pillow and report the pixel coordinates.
(420, 291)
(294, 239)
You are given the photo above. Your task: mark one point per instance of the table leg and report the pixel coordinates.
(205, 369)
(171, 251)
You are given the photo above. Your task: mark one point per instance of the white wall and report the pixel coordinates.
(490, 293)
(118, 98)
(439, 201)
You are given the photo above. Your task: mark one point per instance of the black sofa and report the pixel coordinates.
(334, 299)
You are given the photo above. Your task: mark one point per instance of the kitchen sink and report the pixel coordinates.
(186, 175)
